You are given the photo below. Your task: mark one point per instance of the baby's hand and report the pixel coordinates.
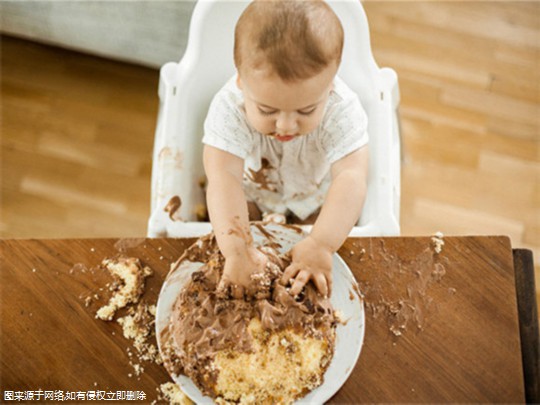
(311, 260)
(238, 270)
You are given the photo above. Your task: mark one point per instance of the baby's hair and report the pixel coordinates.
(296, 39)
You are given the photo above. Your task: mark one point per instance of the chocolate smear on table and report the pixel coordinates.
(384, 296)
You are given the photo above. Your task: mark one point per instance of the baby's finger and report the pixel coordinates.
(330, 284)
(321, 284)
(289, 273)
(299, 282)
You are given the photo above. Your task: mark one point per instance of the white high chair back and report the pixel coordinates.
(187, 88)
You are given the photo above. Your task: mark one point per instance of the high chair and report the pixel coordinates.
(187, 88)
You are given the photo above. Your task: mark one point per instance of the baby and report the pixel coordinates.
(285, 136)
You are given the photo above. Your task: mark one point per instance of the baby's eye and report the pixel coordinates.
(307, 111)
(264, 111)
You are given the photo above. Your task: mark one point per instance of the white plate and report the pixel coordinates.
(345, 298)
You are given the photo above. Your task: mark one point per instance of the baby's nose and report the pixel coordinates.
(286, 124)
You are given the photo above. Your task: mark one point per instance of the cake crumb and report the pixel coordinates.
(172, 393)
(138, 326)
(438, 242)
(138, 323)
(138, 369)
(129, 286)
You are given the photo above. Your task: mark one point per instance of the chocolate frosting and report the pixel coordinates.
(172, 207)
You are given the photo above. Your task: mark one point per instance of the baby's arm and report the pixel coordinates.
(312, 257)
(228, 212)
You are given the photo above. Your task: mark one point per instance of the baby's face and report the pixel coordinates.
(285, 110)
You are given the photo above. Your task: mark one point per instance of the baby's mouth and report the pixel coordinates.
(284, 138)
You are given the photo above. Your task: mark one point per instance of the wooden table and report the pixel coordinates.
(439, 327)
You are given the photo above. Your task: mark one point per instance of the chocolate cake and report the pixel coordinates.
(268, 348)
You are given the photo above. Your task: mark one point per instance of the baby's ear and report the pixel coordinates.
(238, 82)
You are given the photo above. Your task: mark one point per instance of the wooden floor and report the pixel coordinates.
(77, 131)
